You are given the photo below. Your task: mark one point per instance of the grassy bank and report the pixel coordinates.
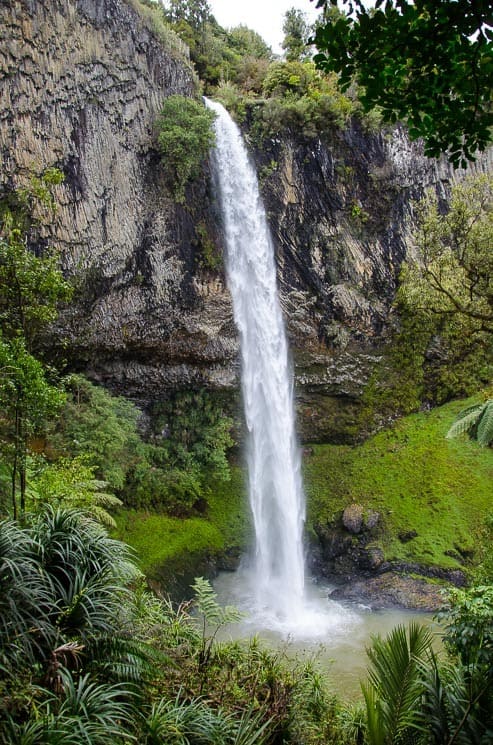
(159, 539)
(415, 478)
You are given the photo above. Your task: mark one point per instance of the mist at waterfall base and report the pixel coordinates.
(269, 586)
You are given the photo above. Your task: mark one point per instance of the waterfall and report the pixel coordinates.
(274, 480)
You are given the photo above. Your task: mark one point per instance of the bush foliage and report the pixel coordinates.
(185, 136)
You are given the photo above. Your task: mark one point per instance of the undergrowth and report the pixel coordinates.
(414, 477)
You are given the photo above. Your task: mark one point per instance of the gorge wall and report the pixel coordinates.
(82, 83)
(81, 86)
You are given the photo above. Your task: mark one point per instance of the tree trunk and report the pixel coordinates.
(15, 459)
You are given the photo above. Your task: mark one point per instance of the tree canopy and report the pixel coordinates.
(428, 63)
(31, 287)
(296, 34)
(453, 272)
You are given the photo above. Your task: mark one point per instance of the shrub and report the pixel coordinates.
(185, 136)
(295, 78)
(101, 427)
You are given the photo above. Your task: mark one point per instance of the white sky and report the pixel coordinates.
(264, 16)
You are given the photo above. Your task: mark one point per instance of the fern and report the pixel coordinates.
(207, 605)
(213, 615)
(476, 421)
(465, 421)
(484, 433)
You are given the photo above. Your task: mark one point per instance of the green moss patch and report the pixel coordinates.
(416, 479)
(159, 539)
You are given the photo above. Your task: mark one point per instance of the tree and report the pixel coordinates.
(452, 274)
(291, 79)
(190, 19)
(428, 63)
(185, 136)
(27, 401)
(194, 12)
(30, 289)
(248, 43)
(296, 35)
(445, 298)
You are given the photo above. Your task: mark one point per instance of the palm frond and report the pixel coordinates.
(375, 724)
(396, 678)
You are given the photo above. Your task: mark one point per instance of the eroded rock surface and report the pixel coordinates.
(81, 86)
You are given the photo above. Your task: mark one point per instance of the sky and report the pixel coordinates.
(264, 16)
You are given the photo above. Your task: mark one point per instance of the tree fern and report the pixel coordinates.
(484, 431)
(476, 421)
(465, 421)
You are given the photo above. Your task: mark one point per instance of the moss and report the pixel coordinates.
(210, 255)
(159, 539)
(416, 479)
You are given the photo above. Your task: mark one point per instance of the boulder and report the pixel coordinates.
(352, 518)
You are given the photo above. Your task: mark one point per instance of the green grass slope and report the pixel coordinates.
(160, 540)
(416, 479)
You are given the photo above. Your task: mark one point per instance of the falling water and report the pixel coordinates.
(275, 489)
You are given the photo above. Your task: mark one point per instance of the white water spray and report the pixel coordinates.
(275, 489)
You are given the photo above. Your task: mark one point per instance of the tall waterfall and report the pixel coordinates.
(275, 488)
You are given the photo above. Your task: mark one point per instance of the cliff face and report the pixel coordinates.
(81, 85)
(341, 211)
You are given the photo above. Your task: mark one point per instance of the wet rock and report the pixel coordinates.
(371, 558)
(391, 590)
(372, 519)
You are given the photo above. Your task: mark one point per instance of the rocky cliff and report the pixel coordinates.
(82, 82)
(81, 85)
(341, 211)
